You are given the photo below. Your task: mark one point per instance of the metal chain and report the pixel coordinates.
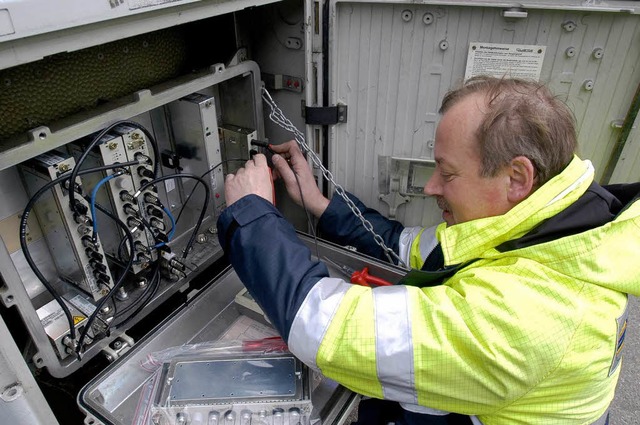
(278, 117)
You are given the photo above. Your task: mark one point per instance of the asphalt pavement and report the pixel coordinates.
(625, 409)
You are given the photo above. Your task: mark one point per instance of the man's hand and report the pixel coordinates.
(289, 160)
(254, 178)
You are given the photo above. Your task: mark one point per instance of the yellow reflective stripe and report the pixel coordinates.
(347, 353)
(415, 258)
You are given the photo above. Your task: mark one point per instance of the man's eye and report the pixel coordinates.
(446, 177)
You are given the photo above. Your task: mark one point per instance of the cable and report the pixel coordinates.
(25, 248)
(202, 177)
(171, 231)
(104, 299)
(76, 170)
(153, 282)
(202, 212)
(120, 223)
(92, 200)
(309, 219)
(277, 116)
(148, 293)
(173, 222)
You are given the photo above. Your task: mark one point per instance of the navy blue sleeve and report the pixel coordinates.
(270, 259)
(339, 225)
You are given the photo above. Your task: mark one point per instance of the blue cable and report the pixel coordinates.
(173, 227)
(94, 192)
(173, 223)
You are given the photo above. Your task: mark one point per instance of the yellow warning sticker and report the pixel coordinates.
(77, 319)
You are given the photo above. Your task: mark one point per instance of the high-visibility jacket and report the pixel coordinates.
(526, 328)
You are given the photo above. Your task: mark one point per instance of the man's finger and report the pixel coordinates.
(259, 160)
(283, 168)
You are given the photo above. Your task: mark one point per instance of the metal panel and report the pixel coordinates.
(392, 64)
(21, 401)
(26, 26)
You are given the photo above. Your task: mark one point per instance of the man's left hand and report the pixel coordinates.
(254, 178)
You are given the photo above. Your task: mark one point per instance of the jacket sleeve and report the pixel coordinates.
(339, 225)
(260, 244)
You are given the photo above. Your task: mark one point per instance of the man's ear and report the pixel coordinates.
(522, 177)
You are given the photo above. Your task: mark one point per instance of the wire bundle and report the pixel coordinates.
(154, 276)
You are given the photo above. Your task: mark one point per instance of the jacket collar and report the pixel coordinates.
(466, 241)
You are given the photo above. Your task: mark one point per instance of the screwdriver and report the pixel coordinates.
(360, 277)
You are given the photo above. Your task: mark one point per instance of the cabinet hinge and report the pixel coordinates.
(328, 115)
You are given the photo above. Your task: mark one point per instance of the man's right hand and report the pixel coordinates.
(289, 160)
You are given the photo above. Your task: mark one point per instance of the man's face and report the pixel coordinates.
(461, 192)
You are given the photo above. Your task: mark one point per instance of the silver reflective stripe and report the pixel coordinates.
(428, 242)
(394, 343)
(406, 239)
(313, 318)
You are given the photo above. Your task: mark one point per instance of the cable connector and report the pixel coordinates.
(126, 196)
(171, 265)
(268, 152)
(142, 159)
(152, 199)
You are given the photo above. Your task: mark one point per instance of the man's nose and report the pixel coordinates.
(432, 187)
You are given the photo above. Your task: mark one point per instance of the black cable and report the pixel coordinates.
(153, 286)
(202, 212)
(311, 224)
(23, 236)
(76, 170)
(104, 299)
(120, 223)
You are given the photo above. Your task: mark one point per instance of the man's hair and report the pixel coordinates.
(523, 119)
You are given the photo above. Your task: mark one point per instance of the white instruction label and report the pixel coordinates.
(169, 185)
(83, 305)
(504, 60)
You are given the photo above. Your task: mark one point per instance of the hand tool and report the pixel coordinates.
(359, 277)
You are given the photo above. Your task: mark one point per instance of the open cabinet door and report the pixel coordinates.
(390, 63)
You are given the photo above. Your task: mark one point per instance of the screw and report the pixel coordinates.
(122, 294)
(201, 238)
(588, 85)
(597, 53)
(427, 18)
(407, 15)
(570, 52)
(569, 26)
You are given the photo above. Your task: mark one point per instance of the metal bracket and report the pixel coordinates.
(328, 115)
(394, 200)
(118, 347)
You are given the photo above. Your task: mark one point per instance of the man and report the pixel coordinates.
(518, 313)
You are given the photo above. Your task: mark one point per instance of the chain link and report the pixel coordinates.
(278, 117)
